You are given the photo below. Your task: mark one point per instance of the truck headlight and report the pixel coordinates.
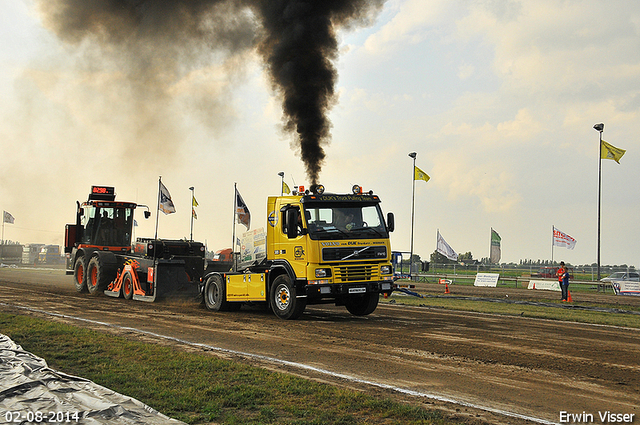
(385, 269)
(320, 273)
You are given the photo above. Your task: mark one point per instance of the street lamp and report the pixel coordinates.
(412, 155)
(599, 128)
(281, 174)
(193, 196)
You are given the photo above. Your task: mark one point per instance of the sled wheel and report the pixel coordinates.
(79, 275)
(127, 285)
(97, 276)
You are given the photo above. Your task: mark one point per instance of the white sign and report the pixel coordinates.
(625, 287)
(487, 279)
(547, 285)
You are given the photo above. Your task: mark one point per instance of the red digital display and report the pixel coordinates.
(104, 190)
(102, 193)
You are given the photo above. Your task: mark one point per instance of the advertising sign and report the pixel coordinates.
(487, 279)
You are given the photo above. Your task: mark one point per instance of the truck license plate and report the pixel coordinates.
(357, 290)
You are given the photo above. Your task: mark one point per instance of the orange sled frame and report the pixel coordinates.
(128, 285)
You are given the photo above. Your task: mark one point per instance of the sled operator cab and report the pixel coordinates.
(102, 223)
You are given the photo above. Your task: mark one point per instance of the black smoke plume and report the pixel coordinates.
(296, 38)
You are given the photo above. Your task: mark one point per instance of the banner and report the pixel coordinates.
(253, 246)
(562, 239)
(194, 203)
(608, 151)
(166, 204)
(495, 254)
(545, 285)
(444, 248)
(242, 211)
(418, 174)
(625, 287)
(7, 218)
(285, 188)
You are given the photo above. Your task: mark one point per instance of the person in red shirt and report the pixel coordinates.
(563, 280)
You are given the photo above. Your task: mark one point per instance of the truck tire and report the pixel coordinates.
(127, 285)
(215, 295)
(98, 275)
(79, 275)
(283, 299)
(362, 305)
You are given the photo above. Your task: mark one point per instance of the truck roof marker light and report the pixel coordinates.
(357, 190)
(300, 189)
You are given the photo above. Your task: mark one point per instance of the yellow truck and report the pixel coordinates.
(320, 248)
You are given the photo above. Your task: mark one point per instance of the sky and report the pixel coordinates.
(498, 98)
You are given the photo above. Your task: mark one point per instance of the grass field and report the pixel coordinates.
(199, 388)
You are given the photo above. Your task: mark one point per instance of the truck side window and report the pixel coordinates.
(286, 214)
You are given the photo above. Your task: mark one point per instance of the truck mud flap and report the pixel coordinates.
(171, 281)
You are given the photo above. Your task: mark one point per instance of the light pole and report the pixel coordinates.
(412, 155)
(281, 174)
(193, 196)
(599, 128)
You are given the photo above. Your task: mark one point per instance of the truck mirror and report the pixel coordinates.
(292, 223)
(391, 223)
(147, 214)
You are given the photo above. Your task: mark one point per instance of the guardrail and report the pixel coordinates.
(518, 281)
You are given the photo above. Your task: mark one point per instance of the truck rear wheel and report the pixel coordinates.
(215, 295)
(362, 305)
(79, 275)
(284, 303)
(98, 277)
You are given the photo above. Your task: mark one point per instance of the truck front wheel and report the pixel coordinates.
(362, 305)
(284, 303)
(79, 275)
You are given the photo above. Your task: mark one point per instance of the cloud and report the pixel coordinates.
(410, 26)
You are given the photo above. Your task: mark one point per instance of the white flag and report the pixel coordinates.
(562, 239)
(7, 218)
(444, 249)
(166, 204)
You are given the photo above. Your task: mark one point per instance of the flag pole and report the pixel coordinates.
(412, 155)
(193, 196)
(599, 128)
(553, 230)
(281, 174)
(158, 208)
(235, 211)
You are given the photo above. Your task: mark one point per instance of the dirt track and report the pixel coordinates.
(494, 367)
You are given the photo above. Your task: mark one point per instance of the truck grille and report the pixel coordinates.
(337, 254)
(354, 273)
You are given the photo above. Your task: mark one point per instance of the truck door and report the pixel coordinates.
(293, 240)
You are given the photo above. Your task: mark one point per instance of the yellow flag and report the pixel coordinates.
(194, 202)
(608, 151)
(285, 188)
(420, 175)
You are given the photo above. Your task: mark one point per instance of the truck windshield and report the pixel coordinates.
(345, 221)
(107, 226)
